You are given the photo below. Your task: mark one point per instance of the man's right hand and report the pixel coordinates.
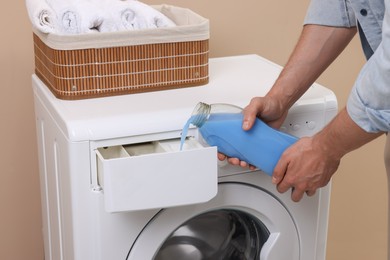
(267, 108)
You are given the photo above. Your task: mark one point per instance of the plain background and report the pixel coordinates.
(358, 213)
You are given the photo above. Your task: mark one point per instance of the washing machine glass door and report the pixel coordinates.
(217, 234)
(241, 222)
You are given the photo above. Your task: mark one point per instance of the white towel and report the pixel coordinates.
(82, 17)
(146, 16)
(77, 16)
(41, 16)
(114, 15)
(88, 16)
(133, 15)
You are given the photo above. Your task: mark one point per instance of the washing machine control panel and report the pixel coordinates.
(305, 124)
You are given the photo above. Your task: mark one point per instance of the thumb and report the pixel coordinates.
(248, 122)
(279, 172)
(249, 118)
(251, 111)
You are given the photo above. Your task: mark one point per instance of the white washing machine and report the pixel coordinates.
(115, 186)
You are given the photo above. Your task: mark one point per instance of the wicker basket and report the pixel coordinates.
(106, 64)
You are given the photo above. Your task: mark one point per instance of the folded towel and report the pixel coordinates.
(41, 15)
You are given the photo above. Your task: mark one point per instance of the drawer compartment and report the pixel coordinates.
(156, 175)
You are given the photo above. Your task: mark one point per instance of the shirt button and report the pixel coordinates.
(363, 12)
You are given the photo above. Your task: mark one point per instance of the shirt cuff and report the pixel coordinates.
(369, 119)
(330, 13)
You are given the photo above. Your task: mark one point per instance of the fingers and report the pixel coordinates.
(235, 161)
(221, 156)
(278, 175)
(248, 121)
(310, 193)
(250, 113)
(297, 193)
(284, 184)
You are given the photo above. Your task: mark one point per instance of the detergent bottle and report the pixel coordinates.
(220, 125)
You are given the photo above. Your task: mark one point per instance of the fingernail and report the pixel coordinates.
(245, 125)
(274, 180)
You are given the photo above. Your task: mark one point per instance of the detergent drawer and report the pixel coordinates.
(156, 174)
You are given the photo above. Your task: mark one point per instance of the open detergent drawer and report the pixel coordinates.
(156, 175)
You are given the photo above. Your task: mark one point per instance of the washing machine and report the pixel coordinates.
(115, 185)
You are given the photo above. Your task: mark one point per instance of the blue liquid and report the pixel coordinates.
(184, 132)
(261, 146)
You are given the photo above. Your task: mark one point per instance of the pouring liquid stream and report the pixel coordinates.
(184, 132)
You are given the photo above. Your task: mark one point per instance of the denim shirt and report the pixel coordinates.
(369, 101)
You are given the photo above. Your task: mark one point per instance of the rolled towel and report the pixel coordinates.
(77, 16)
(133, 15)
(88, 16)
(42, 16)
(150, 16)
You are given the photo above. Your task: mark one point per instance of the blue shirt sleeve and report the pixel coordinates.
(336, 13)
(369, 102)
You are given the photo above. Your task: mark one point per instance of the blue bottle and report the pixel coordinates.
(221, 125)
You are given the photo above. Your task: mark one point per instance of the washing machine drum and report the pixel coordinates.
(243, 222)
(219, 234)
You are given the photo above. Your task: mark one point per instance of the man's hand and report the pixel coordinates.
(310, 163)
(304, 167)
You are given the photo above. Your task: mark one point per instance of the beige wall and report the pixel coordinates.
(357, 228)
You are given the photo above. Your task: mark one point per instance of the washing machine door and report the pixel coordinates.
(242, 222)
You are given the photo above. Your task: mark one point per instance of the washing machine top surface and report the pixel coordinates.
(233, 80)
